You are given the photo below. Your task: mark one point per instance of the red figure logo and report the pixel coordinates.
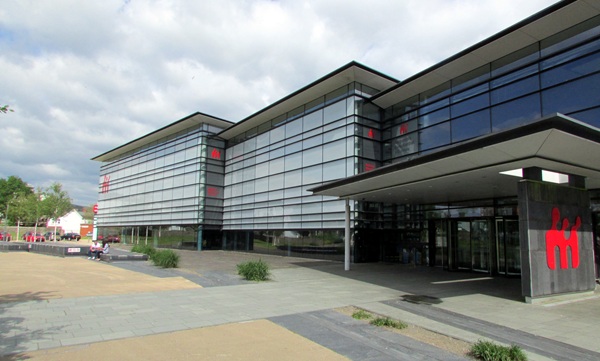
(106, 184)
(215, 154)
(403, 129)
(369, 167)
(556, 238)
(212, 192)
(371, 134)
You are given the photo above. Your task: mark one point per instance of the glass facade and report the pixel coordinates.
(560, 74)
(167, 191)
(269, 169)
(249, 191)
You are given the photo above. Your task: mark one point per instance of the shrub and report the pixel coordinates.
(388, 322)
(254, 270)
(489, 351)
(361, 315)
(165, 258)
(145, 249)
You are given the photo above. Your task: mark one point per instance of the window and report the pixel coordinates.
(471, 126)
(435, 136)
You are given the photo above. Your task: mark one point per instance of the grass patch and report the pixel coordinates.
(489, 351)
(145, 249)
(165, 258)
(388, 322)
(254, 270)
(361, 315)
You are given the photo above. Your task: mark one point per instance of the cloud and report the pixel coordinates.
(85, 77)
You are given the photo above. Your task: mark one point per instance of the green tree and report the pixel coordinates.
(55, 203)
(88, 212)
(10, 189)
(5, 109)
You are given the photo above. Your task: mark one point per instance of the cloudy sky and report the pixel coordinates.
(84, 77)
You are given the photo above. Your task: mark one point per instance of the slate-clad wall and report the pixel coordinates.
(536, 203)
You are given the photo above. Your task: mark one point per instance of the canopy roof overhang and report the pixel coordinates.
(351, 72)
(472, 170)
(190, 121)
(556, 18)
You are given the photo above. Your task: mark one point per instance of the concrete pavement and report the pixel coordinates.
(42, 311)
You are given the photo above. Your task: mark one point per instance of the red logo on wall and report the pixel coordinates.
(215, 154)
(369, 166)
(106, 184)
(556, 238)
(212, 191)
(371, 134)
(403, 129)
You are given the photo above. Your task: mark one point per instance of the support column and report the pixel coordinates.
(347, 238)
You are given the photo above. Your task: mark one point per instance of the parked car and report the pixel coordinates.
(5, 236)
(50, 236)
(71, 236)
(110, 239)
(33, 237)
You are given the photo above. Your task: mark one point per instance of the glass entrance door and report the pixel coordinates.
(470, 244)
(508, 246)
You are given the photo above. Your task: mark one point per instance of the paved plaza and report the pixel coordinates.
(71, 308)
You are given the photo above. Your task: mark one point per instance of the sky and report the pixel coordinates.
(84, 77)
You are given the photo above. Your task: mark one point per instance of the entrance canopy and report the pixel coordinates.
(475, 169)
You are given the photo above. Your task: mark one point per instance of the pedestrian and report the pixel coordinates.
(94, 248)
(104, 250)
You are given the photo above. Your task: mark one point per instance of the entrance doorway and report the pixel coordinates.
(470, 244)
(508, 247)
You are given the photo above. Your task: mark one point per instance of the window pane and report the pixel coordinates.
(293, 128)
(335, 150)
(429, 119)
(312, 156)
(313, 120)
(293, 161)
(472, 104)
(471, 126)
(334, 112)
(275, 182)
(435, 136)
(572, 70)
(516, 113)
(404, 145)
(312, 175)
(569, 98)
(276, 165)
(334, 170)
(515, 90)
(293, 179)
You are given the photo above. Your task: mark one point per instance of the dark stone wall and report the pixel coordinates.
(536, 203)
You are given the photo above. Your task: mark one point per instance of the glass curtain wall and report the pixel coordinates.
(542, 79)
(269, 169)
(168, 189)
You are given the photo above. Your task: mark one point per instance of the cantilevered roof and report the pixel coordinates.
(472, 169)
(351, 72)
(537, 27)
(173, 128)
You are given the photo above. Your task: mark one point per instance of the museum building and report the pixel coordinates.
(485, 162)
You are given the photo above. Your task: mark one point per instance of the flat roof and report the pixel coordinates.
(350, 72)
(552, 20)
(173, 128)
(472, 169)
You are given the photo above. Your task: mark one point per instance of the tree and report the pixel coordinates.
(10, 189)
(5, 109)
(55, 203)
(88, 212)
